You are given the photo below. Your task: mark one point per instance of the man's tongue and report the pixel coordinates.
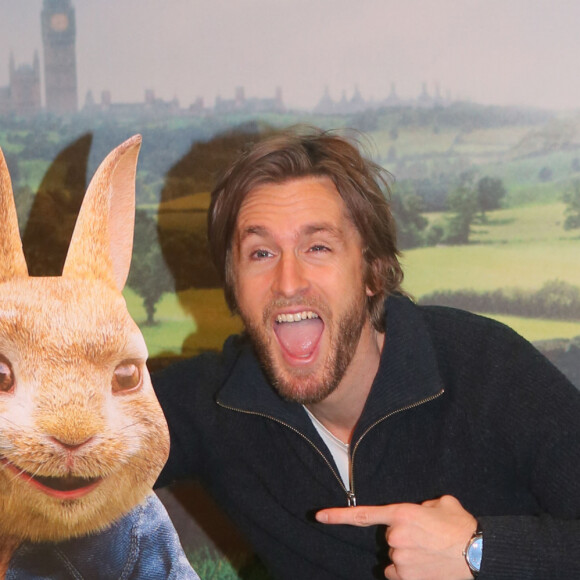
(299, 339)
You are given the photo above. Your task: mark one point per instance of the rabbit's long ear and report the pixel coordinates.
(102, 240)
(12, 262)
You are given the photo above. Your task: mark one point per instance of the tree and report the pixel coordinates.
(572, 211)
(490, 192)
(366, 121)
(545, 174)
(462, 201)
(407, 209)
(149, 277)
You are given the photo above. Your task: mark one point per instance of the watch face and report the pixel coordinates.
(59, 22)
(475, 552)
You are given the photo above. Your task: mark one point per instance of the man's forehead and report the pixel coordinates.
(315, 196)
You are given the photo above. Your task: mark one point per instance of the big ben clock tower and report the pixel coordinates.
(60, 69)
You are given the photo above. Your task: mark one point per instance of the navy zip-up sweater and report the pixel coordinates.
(460, 405)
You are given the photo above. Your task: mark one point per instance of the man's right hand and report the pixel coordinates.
(426, 541)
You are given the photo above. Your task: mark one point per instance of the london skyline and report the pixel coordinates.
(489, 52)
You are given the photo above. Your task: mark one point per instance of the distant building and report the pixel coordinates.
(5, 101)
(241, 104)
(346, 106)
(326, 104)
(22, 96)
(60, 68)
(356, 104)
(424, 99)
(393, 99)
(151, 107)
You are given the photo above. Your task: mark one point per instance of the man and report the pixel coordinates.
(428, 431)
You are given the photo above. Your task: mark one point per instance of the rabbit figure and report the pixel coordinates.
(82, 436)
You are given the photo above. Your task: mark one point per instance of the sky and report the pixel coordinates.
(505, 52)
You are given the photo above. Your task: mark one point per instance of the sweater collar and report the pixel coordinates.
(407, 374)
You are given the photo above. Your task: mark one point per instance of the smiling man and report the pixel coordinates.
(349, 432)
(298, 279)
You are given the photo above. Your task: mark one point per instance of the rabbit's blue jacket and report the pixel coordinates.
(143, 545)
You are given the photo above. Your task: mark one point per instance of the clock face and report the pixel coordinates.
(475, 553)
(59, 22)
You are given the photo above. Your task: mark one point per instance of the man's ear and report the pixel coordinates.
(375, 274)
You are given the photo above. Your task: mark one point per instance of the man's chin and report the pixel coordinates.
(304, 380)
(302, 385)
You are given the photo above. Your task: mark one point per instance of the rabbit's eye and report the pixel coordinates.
(6, 375)
(127, 376)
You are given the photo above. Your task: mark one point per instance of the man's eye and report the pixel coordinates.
(261, 254)
(319, 248)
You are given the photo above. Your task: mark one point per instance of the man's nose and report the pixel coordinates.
(290, 276)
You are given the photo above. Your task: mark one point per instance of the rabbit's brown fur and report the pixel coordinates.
(81, 404)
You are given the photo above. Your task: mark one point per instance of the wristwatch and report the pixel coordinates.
(474, 551)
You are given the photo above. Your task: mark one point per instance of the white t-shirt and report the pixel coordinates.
(337, 448)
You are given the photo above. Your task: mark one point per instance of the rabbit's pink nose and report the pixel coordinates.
(71, 446)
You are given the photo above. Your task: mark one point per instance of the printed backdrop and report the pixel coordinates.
(472, 106)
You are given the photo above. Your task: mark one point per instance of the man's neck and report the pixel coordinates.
(341, 410)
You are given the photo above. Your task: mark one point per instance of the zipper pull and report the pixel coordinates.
(351, 499)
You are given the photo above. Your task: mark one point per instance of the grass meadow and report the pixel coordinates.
(522, 247)
(488, 267)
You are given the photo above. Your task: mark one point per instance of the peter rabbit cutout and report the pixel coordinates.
(82, 436)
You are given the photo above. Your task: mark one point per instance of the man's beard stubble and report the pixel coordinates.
(301, 385)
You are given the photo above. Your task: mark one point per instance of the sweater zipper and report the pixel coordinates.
(312, 444)
(350, 494)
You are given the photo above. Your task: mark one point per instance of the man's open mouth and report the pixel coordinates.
(67, 487)
(299, 332)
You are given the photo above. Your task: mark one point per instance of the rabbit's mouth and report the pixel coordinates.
(67, 487)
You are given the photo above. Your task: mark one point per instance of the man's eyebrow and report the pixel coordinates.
(254, 230)
(323, 227)
(307, 230)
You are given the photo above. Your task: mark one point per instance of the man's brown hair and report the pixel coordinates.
(362, 184)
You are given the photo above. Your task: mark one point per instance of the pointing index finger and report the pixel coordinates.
(362, 516)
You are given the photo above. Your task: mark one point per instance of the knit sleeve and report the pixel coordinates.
(180, 389)
(540, 422)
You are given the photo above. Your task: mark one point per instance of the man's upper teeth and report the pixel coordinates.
(296, 317)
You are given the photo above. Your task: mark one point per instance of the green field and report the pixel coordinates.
(522, 247)
(536, 329)
(487, 267)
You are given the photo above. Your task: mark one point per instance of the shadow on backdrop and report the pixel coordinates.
(182, 235)
(199, 522)
(55, 208)
(182, 229)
